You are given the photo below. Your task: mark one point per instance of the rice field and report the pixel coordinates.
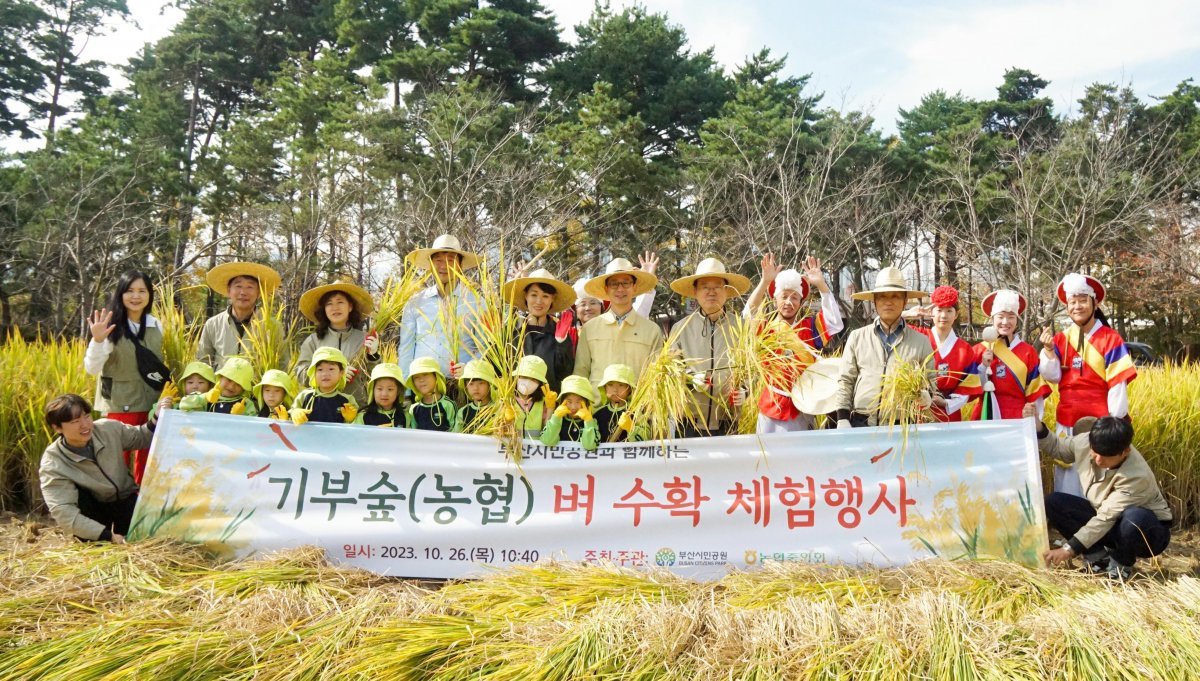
(164, 611)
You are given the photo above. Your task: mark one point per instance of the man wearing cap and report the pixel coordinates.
(244, 283)
(872, 350)
(703, 339)
(434, 323)
(1089, 362)
(620, 335)
(789, 289)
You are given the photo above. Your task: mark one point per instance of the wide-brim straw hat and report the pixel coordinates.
(310, 300)
(1075, 280)
(218, 278)
(815, 391)
(1005, 298)
(514, 290)
(889, 280)
(710, 267)
(446, 243)
(643, 281)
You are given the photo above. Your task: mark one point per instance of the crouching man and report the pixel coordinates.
(1124, 515)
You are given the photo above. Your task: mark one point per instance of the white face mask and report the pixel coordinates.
(527, 386)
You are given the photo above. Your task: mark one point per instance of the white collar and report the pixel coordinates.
(947, 345)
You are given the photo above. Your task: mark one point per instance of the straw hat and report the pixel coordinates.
(1004, 300)
(482, 370)
(514, 290)
(710, 267)
(311, 299)
(578, 385)
(815, 392)
(218, 278)
(889, 280)
(446, 243)
(1076, 284)
(643, 281)
(384, 370)
(531, 366)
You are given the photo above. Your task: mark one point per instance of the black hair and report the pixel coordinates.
(1110, 436)
(355, 318)
(544, 288)
(65, 408)
(120, 318)
(251, 277)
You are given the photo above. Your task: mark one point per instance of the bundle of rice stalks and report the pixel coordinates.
(905, 396)
(396, 294)
(34, 372)
(764, 352)
(663, 398)
(180, 337)
(497, 331)
(270, 338)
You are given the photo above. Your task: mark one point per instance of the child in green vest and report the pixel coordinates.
(431, 409)
(572, 421)
(198, 378)
(534, 400)
(234, 391)
(384, 391)
(480, 379)
(612, 418)
(324, 401)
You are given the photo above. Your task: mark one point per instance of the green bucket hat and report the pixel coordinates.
(327, 355)
(531, 366)
(278, 379)
(578, 385)
(385, 370)
(617, 373)
(482, 370)
(239, 371)
(201, 369)
(426, 365)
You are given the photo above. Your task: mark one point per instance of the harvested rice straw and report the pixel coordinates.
(663, 397)
(269, 338)
(764, 351)
(397, 292)
(904, 396)
(498, 334)
(179, 338)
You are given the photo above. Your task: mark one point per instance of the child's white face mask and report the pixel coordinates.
(526, 386)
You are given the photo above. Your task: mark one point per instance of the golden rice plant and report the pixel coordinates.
(1165, 409)
(663, 398)
(904, 396)
(180, 337)
(270, 339)
(397, 292)
(763, 351)
(34, 372)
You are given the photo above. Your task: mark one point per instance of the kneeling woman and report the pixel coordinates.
(84, 478)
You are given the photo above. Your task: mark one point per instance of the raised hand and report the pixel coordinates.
(100, 324)
(371, 343)
(625, 422)
(349, 412)
(813, 274)
(549, 396)
(648, 261)
(213, 396)
(584, 414)
(239, 408)
(770, 268)
(563, 411)
(1046, 338)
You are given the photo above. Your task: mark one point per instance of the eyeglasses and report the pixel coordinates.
(619, 284)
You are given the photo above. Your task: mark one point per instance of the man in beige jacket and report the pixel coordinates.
(873, 350)
(620, 335)
(84, 478)
(1124, 516)
(223, 334)
(703, 339)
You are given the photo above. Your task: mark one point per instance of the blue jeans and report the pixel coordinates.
(1138, 533)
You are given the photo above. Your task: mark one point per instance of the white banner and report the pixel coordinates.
(426, 504)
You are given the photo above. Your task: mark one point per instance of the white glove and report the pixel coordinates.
(925, 399)
(701, 382)
(371, 343)
(843, 424)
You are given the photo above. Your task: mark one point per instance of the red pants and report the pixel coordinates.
(138, 456)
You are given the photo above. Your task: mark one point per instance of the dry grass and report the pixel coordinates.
(163, 610)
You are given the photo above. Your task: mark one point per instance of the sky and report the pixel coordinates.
(879, 56)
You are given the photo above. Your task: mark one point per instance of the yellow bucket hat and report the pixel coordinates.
(385, 370)
(426, 365)
(531, 366)
(278, 379)
(618, 373)
(482, 370)
(327, 355)
(578, 385)
(198, 368)
(239, 371)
